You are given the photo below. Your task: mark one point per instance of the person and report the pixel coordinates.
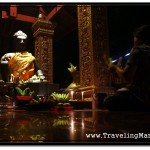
(21, 64)
(135, 96)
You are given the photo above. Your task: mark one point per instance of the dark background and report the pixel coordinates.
(123, 19)
(122, 22)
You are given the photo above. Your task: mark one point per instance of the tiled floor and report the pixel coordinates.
(74, 127)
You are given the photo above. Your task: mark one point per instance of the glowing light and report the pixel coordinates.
(72, 126)
(82, 95)
(118, 59)
(82, 124)
(126, 54)
(114, 60)
(72, 92)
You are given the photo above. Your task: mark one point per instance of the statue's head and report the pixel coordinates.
(20, 39)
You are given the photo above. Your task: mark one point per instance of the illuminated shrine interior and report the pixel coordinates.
(36, 120)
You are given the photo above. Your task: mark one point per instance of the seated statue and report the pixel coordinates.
(21, 65)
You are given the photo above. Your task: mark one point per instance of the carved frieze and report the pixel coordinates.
(93, 45)
(43, 26)
(85, 45)
(47, 57)
(43, 31)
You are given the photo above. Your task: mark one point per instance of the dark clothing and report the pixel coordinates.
(138, 96)
(125, 101)
(140, 86)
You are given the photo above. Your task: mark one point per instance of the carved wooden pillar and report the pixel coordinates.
(43, 31)
(93, 45)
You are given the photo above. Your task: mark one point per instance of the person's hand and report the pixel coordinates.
(119, 64)
(111, 65)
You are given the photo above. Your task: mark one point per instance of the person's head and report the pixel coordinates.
(142, 35)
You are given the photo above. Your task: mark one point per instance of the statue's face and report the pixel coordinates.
(20, 44)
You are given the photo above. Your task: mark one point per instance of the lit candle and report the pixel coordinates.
(72, 92)
(82, 95)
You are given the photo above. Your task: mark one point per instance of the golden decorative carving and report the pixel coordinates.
(76, 77)
(43, 26)
(43, 31)
(85, 45)
(93, 45)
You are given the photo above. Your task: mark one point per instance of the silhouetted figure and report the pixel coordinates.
(136, 73)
